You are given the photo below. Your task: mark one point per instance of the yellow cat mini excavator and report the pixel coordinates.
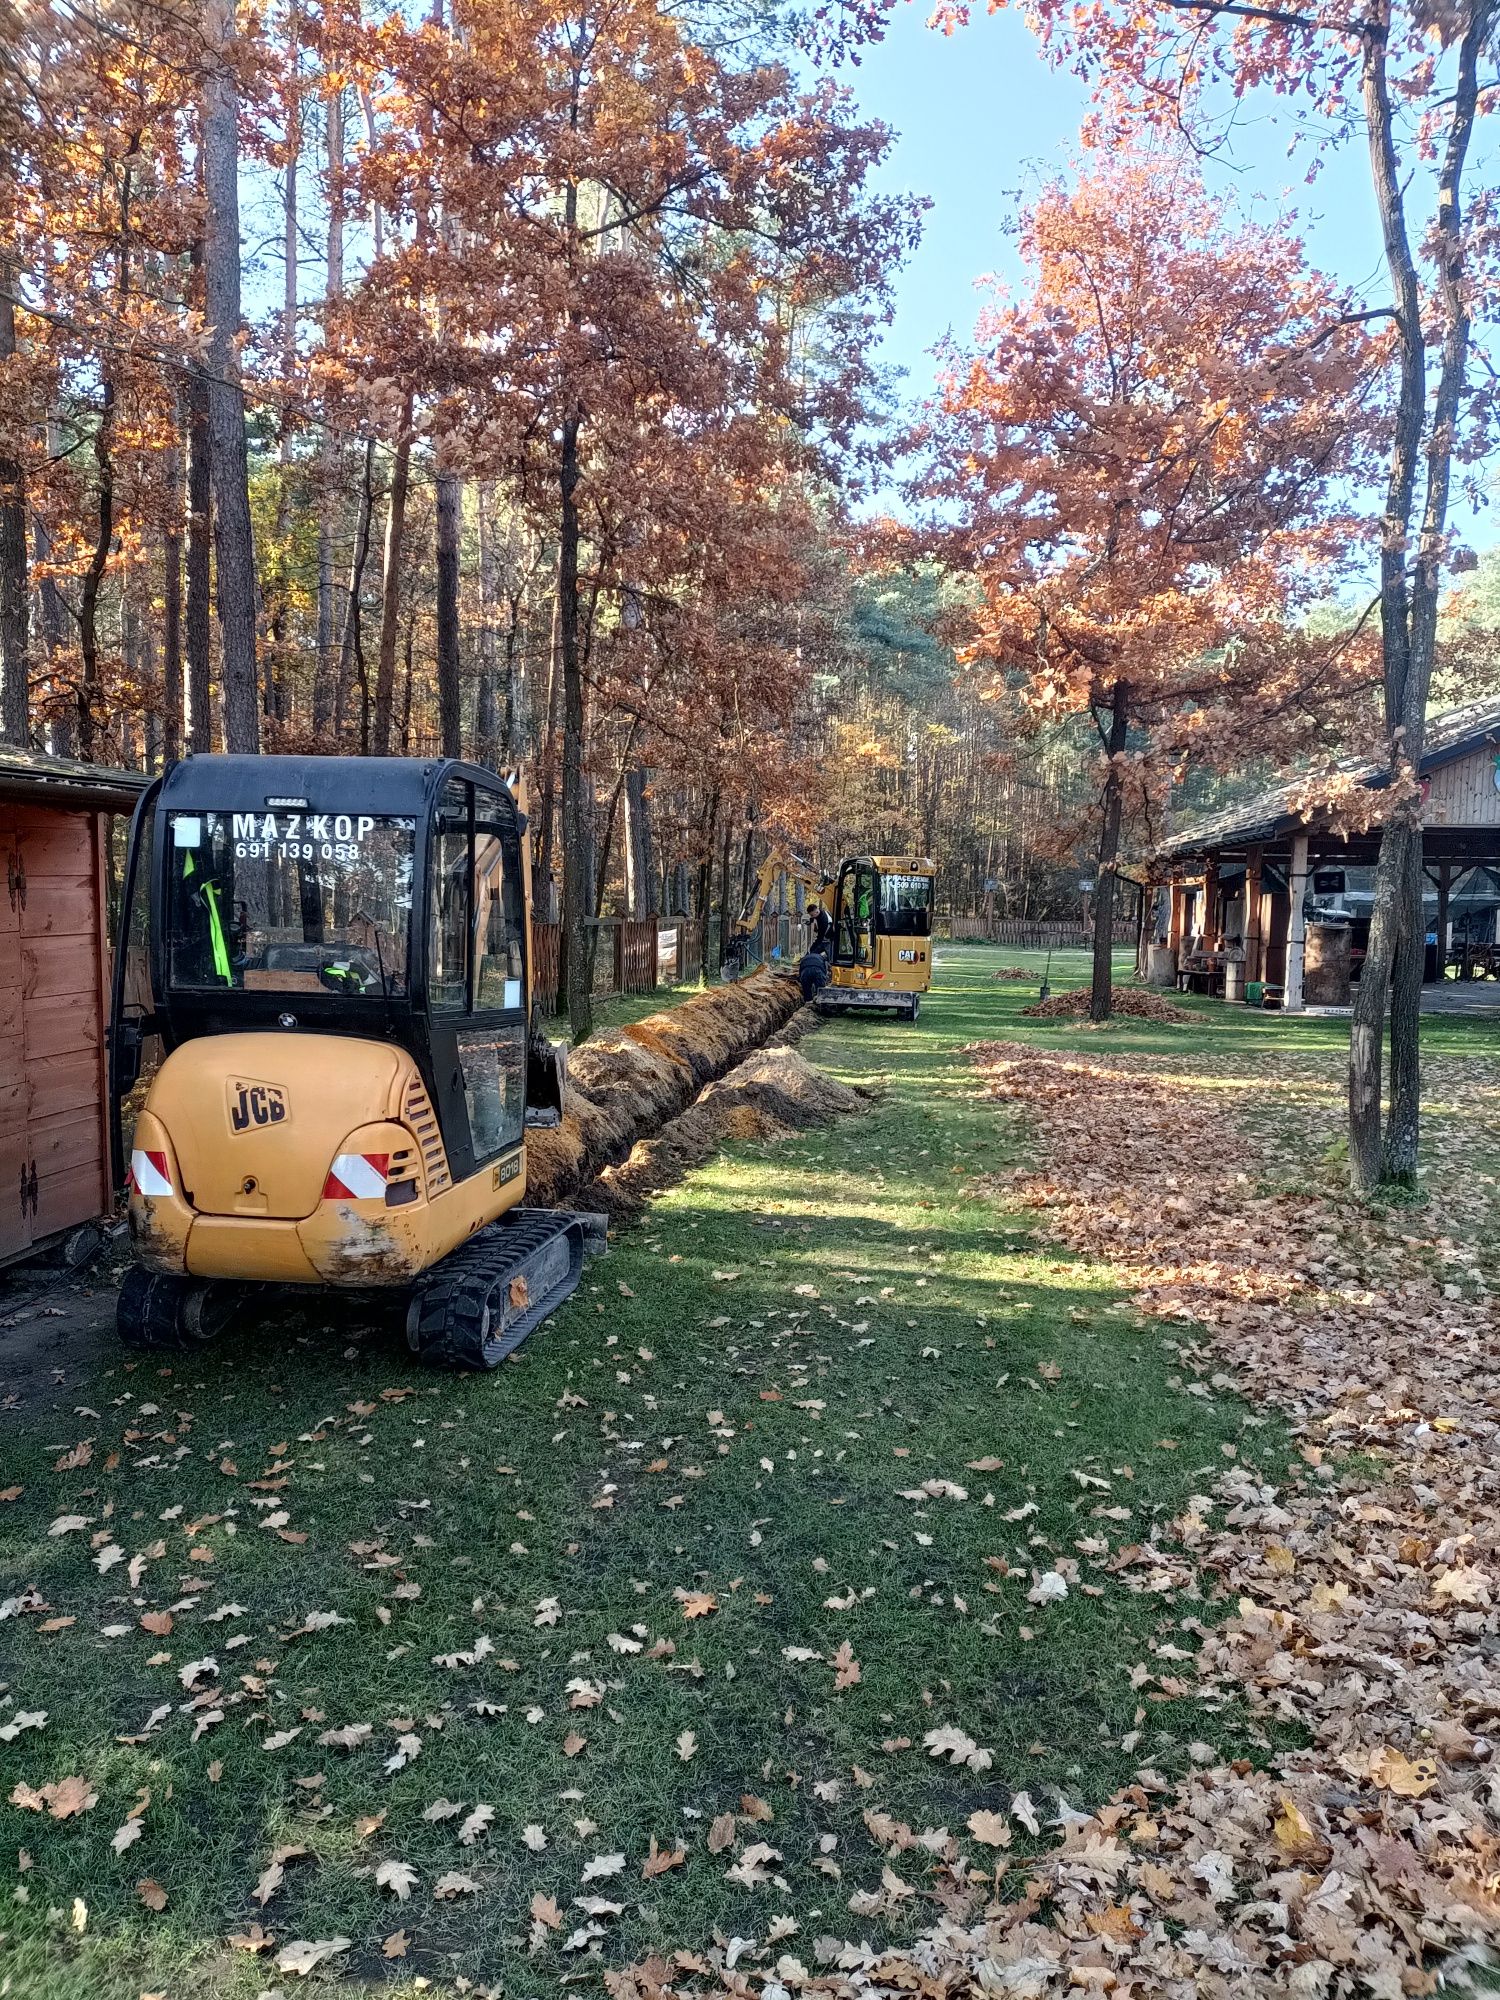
(339, 955)
(881, 905)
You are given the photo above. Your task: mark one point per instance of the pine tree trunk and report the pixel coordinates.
(449, 665)
(577, 886)
(278, 688)
(326, 678)
(390, 584)
(15, 663)
(93, 577)
(546, 876)
(724, 916)
(351, 644)
(197, 631)
(61, 723)
(486, 712)
(234, 542)
(640, 849)
(171, 627)
(1101, 989)
(706, 885)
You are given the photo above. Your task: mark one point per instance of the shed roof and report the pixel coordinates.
(1453, 734)
(30, 777)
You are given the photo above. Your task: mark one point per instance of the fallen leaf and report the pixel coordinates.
(1408, 1779)
(846, 1667)
(991, 1828)
(958, 1747)
(302, 1957)
(1114, 1922)
(660, 1859)
(396, 1945)
(1293, 1832)
(600, 1866)
(253, 1940)
(152, 1894)
(397, 1876)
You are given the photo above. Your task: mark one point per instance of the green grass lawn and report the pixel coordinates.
(653, 1531)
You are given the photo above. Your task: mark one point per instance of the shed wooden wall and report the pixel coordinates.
(53, 1152)
(1465, 792)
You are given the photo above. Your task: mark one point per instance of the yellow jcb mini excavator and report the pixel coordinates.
(340, 956)
(881, 906)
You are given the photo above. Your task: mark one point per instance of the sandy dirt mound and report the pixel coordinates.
(1131, 1000)
(628, 1083)
(773, 1093)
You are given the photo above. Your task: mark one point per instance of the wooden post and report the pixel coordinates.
(1296, 930)
(1252, 916)
(1444, 884)
(1210, 904)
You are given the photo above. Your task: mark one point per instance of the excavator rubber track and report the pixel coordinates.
(478, 1305)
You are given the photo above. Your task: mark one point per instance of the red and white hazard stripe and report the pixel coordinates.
(357, 1177)
(149, 1173)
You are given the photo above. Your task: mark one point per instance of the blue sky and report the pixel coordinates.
(982, 121)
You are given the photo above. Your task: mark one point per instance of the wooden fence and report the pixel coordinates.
(631, 955)
(1056, 934)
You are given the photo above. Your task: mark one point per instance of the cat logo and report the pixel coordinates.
(252, 1105)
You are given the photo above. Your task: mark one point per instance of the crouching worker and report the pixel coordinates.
(812, 973)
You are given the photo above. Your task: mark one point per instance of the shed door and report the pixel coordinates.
(57, 917)
(15, 1220)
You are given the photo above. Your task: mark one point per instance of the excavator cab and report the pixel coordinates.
(338, 954)
(881, 906)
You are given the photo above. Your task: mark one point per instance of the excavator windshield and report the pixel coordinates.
(291, 901)
(905, 905)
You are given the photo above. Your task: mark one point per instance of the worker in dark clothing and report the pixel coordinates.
(822, 930)
(812, 973)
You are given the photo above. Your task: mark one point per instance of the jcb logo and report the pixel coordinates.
(256, 1104)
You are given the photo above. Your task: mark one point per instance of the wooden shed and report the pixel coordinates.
(54, 994)
(1249, 884)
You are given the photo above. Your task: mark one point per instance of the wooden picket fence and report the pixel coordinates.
(632, 955)
(1056, 934)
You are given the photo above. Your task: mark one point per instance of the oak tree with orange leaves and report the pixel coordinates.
(1145, 452)
(1409, 83)
(614, 252)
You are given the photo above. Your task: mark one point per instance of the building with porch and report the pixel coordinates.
(1272, 902)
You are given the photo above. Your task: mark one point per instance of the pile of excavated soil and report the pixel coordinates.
(770, 1095)
(628, 1083)
(1132, 1000)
